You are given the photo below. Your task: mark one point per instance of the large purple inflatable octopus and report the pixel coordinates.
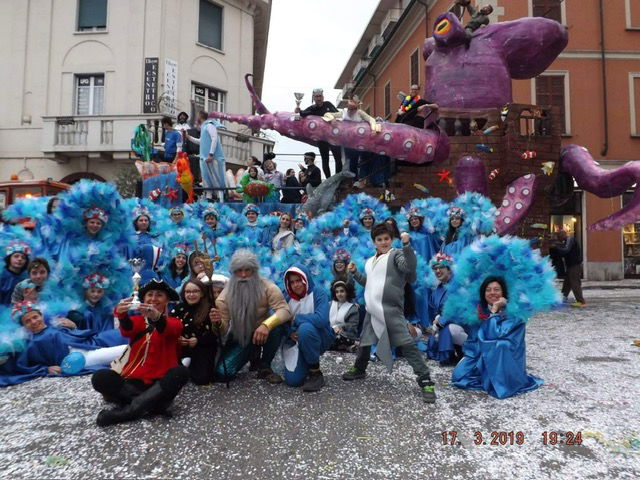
(468, 74)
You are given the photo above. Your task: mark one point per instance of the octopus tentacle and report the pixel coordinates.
(577, 161)
(257, 103)
(396, 140)
(516, 204)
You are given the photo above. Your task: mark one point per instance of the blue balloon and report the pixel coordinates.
(72, 363)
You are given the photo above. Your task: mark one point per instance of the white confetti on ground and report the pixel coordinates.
(374, 429)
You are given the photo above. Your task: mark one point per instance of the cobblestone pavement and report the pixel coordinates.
(373, 429)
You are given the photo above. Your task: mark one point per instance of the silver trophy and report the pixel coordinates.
(137, 264)
(299, 97)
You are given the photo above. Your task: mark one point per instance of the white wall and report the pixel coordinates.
(41, 53)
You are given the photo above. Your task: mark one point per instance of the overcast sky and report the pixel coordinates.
(310, 42)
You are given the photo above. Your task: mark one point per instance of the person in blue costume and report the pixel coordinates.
(495, 352)
(211, 230)
(97, 316)
(341, 259)
(212, 161)
(143, 238)
(251, 230)
(445, 346)
(14, 271)
(300, 221)
(310, 334)
(454, 241)
(424, 243)
(176, 214)
(367, 219)
(46, 348)
(178, 270)
(94, 219)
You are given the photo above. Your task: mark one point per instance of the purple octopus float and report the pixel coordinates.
(467, 73)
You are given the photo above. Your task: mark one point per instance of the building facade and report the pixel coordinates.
(79, 75)
(595, 83)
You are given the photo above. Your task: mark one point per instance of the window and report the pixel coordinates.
(552, 9)
(632, 13)
(89, 94)
(92, 15)
(210, 25)
(550, 90)
(414, 68)
(387, 100)
(207, 99)
(634, 103)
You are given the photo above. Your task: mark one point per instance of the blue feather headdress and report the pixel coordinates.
(530, 279)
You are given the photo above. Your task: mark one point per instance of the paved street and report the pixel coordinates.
(374, 429)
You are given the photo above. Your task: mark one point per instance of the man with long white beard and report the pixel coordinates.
(244, 305)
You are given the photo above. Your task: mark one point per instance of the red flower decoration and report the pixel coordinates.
(257, 189)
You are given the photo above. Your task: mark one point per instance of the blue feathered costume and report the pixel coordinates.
(495, 352)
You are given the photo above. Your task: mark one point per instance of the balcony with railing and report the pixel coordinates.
(109, 138)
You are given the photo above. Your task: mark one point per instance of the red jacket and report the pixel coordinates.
(153, 354)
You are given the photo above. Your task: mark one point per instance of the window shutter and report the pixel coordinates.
(92, 13)
(210, 25)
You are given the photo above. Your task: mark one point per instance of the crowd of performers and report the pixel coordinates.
(221, 289)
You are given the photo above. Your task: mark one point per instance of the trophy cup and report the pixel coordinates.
(136, 265)
(299, 97)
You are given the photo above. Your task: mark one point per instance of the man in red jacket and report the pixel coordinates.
(152, 376)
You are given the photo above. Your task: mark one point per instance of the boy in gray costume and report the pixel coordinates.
(384, 279)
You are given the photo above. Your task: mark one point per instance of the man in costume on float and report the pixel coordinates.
(244, 305)
(212, 162)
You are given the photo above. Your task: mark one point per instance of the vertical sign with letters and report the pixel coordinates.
(149, 91)
(170, 95)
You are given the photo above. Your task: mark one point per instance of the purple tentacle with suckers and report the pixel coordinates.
(516, 204)
(399, 141)
(577, 161)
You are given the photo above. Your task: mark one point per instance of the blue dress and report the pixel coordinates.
(8, 281)
(45, 349)
(441, 348)
(495, 359)
(454, 249)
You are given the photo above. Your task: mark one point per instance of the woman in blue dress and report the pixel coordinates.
(495, 351)
(455, 240)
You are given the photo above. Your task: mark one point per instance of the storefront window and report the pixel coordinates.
(631, 245)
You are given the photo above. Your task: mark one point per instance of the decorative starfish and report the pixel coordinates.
(444, 176)
(171, 194)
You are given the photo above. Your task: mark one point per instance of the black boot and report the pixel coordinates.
(427, 387)
(457, 354)
(147, 401)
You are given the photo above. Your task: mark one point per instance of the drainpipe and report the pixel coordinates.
(605, 147)
(374, 92)
(426, 17)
